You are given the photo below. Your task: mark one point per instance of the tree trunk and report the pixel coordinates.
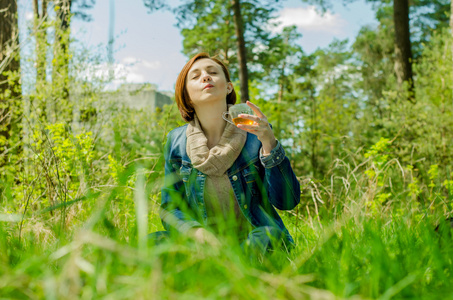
(281, 90)
(242, 59)
(451, 18)
(10, 88)
(314, 136)
(226, 38)
(451, 29)
(40, 28)
(62, 107)
(403, 52)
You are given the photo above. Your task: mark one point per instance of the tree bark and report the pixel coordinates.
(226, 38)
(10, 88)
(451, 26)
(242, 58)
(62, 107)
(41, 38)
(451, 18)
(281, 91)
(40, 28)
(403, 52)
(63, 13)
(314, 136)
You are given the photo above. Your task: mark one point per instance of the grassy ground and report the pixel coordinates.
(353, 256)
(369, 234)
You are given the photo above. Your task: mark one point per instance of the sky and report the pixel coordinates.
(148, 46)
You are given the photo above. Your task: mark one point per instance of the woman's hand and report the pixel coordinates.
(260, 128)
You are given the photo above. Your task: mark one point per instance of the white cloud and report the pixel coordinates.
(131, 69)
(139, 63)
(129, 60)
(308, 19)
(121, 73)
(151, 64)
(135, 77)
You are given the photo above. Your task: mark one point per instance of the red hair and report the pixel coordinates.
(182, 96)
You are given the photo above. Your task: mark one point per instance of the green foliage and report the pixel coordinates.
(377, 260)
(379, 159)
(375, 170)
(448, 184)
(68, 148)
(11, 129)
(208, 26)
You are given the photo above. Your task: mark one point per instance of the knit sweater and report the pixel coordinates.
(223, 212)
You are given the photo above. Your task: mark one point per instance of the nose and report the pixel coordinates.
(206, 77)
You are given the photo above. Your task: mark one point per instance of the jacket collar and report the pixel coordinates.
(248, 155)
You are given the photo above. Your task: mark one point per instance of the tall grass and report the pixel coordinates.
(366, 233)
(354, 255)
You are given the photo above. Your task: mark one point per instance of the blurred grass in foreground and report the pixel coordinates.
(379, 257)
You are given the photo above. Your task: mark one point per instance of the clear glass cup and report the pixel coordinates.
(234, 111)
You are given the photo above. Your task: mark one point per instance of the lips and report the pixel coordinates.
(208, 86)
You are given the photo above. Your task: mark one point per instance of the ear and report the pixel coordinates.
(229, 87)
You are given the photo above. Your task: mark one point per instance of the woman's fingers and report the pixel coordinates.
(256, 109)
(253, 118)
(260, 120)
(250, 128)
(260, 126)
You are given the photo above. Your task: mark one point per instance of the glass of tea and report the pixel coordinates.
(235, 110)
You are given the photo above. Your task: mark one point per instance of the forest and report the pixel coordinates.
(366, 124)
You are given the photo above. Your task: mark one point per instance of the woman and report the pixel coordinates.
(221, 179)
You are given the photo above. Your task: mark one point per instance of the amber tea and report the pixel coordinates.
(234, 111)
(242, 121)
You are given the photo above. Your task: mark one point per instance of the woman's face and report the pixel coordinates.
(206, 82)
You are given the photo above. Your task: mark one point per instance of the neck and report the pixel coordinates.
(211, 121)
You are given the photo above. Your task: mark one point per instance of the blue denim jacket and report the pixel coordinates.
(259, 184)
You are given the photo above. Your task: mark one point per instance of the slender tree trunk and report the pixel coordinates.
(40, 27)
(451, 17)
(226, 38)
(62, 107)
(242, 59)
(10, 88)
(403, 52)
(451, 29)
(281, 90)
(314, 136)
(282, 84)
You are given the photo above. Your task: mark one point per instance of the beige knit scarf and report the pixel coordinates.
(217, 160)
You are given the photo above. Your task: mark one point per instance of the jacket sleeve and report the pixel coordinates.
(174, 209)
(283, 188)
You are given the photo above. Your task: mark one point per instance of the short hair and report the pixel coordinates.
(182, 96)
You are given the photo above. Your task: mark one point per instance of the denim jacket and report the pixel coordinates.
(259, 185)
